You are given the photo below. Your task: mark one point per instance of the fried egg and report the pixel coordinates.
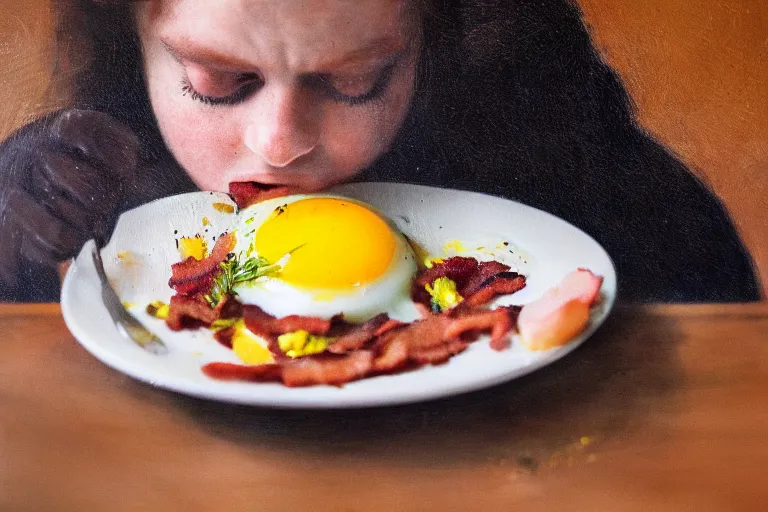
(335, 256)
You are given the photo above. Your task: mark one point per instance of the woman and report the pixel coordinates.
(498, 96)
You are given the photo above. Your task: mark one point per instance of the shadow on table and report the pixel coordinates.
(602, 390)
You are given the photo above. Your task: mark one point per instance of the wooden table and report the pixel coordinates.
(666, 408)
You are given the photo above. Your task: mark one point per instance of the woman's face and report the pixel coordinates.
(304, 93)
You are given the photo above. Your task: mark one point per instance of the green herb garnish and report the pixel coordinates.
(234, 272)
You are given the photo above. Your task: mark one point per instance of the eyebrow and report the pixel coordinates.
(186, 50)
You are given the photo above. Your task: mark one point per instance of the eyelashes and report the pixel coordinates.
(324, 85)
(242, 92)
(321, 84)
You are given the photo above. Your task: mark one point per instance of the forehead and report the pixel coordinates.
(295, 33)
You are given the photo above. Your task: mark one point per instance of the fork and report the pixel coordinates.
(126, 323)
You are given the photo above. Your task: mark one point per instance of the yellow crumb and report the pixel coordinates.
(126, 257)
(224, 207)
(455, 246)
(193, 246)
(158, 309)
(206, 222)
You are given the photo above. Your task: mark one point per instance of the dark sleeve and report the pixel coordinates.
(34, 282)
(670, 237)
(37, 283)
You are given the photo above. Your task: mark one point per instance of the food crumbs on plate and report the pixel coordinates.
(126, 257)
(456, 246)
(195, 247)
(128, 305)
(585, 440)
(224, 207)
(248, 347)
(157, 309)
(206, 222)
(197, 354)
(301, 343)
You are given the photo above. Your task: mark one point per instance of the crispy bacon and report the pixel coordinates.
(185, 312)
(477, 283)
(355, 336)
(193, 276)
(499, 322)
(503, 283)
(248, 193)
(262, 323)
(392, 355)
(486, 270)
(307, 371)
(439, 353)
(255, 373)
(327, 369)
(457, 268)
(193, 311)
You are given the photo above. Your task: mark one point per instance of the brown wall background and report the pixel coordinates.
(696, 69)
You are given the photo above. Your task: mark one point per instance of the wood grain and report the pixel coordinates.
(666, 408)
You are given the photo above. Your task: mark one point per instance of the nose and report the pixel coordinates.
(283, 127)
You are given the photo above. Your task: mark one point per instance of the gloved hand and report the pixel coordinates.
(61, 183)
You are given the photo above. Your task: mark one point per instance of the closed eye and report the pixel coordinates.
(244, 85)
(333, 89)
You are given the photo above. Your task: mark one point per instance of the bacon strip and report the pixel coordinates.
(262, 323)
(255, 373)
(392, 355)
(248, 193)
(498, 321)
(306, 371)
(486, 270)
(186, 312)
(504, 283)
(327, 369)
(193, 276)
(355, 336)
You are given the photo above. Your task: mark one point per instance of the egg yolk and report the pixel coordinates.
(333, 243)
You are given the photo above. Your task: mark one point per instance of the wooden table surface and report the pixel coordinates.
(666, 408)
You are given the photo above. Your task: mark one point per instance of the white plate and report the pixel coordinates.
(549, 247)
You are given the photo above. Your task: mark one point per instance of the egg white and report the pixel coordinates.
(390, 293)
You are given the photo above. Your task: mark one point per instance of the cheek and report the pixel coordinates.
(204, 145)
(355, 136)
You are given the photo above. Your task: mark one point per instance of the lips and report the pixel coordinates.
(247, 193)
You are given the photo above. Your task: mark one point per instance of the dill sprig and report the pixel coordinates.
(233, 272)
